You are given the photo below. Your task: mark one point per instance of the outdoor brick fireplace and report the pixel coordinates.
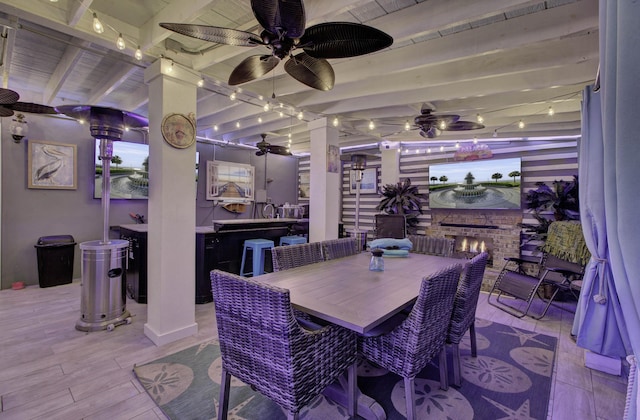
(470, 246)
(498, 229)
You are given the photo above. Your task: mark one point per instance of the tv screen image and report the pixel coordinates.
(129, 171)
(479, 184)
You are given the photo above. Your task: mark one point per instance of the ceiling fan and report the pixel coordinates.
(9, 103)
(432, 124)
(264, 147)
(284, 31)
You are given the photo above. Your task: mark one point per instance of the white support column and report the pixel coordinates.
(172, 209)
(390, 163)
(324, 186)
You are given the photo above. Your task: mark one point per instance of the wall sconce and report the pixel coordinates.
(18, 128)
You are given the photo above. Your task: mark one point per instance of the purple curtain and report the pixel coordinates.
(617, 237)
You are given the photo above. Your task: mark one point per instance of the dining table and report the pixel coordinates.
(345, 292)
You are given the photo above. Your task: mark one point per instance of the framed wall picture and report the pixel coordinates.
(229, 181)
(369, 183)
(51, 165)
(333, 158)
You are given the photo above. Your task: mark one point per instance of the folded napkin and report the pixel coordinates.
(391, 243)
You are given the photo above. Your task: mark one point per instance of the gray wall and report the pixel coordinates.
(28, 214)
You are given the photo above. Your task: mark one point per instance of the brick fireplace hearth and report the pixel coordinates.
(499, 226)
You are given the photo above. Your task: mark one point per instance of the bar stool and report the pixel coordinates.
(257, 246)
(290, 240)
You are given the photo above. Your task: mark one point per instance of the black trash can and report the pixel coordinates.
(55, 259)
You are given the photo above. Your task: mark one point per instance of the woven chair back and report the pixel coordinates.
(292, 256)
(339, 248)
(466, 301)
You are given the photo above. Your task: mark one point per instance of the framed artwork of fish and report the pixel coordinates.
(52, 165)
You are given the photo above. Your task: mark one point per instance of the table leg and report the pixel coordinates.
(368, 408)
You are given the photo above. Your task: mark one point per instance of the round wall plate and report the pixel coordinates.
(178, 130)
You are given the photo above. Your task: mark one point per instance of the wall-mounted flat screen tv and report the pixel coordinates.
(129, 171)
(479, 184)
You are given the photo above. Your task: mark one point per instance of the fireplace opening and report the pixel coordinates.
(470, 246)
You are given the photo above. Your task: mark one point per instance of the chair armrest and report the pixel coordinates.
(565, 272)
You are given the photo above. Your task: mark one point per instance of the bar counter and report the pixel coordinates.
(218, 245)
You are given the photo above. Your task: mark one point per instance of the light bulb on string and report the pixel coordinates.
(237, 124)
(442, 148)
(281, 114)
(550, 112)
(260, 120)
(336, 121)
(266, 107)
(429, 150)
(407, 126)
(300, 115)
(120, 42)
(475, 140)
(479, 118)
(443, 125)
(138, 54)
(232, 96)
(457, 145)
(200, 82)
(371, 125)
(97, 25)
(215, 127)
(521, 124)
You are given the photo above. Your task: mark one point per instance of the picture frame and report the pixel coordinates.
(230, 182)
(52, 165)
(369, 183)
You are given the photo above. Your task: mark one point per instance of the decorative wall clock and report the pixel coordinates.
(178, 130)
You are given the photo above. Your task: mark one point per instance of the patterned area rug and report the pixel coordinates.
(510, 378)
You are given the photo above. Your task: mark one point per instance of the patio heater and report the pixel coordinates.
(103, 304)
(358, 164)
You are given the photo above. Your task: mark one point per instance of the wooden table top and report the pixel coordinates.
(344, 292)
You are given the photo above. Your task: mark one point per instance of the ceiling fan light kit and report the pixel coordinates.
(283, 24)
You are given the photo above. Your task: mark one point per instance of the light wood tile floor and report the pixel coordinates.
(49, 370)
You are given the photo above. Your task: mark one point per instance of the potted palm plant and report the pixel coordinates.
(548, 204)
(403, 198)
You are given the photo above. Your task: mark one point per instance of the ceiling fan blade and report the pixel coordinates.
(279, 150)
(464, 125)
(252, 68)
(33, 108)
(313, 72)
(343, 39)
(277, 16)
(431, 119)
(5, 112)
(215, 34)
(8, 97)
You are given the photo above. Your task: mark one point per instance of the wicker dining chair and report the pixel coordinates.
(339, 248)
(263, 345)
(292, 256)
(406, 349)
(463, 317)
(431, 245)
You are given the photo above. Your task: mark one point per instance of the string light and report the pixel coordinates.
(266, 107)
(138, 54)
(120, 42)
(551, 111)
(479, 118)
(260, 120)
(475, 139)
(237, 124)
(300, 115)
(429, 150)
(336, 121)
(521, 124)
(441, 148)
(97, 25)
(200, 82)
(371, 125)
(457, 145)
(215, 127)
(281, 114)
(443, 125)
(407, 126)
(232, 96)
